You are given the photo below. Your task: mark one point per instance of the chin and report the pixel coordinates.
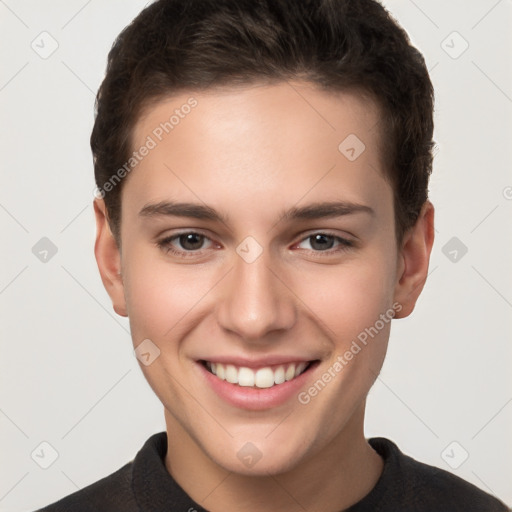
(261, 457)
(274, 464)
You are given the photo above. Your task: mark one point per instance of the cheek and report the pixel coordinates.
(350, 297)
(160, 295)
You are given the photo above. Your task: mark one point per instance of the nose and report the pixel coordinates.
(255, 301)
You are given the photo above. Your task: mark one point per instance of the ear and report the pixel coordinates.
(108, 258)
(413, 260)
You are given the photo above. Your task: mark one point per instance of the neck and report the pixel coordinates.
(333, 479)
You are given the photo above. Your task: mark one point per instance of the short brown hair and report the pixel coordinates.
(174, 46)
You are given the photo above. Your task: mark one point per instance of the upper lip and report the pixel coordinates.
(259, 362)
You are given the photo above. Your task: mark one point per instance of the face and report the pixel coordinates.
(258, 244)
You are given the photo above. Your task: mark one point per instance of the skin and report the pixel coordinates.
(251, 152)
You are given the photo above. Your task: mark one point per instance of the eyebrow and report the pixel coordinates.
(312, 211)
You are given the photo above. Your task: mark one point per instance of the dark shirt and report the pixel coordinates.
(405, 485)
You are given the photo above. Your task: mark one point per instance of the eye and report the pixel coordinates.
(190, 242)
(324, 242)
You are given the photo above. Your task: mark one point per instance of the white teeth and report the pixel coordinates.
(279, 375)
(290, 372)
(261, 378)
(264, 378)
(231, 374)
(245, 377)
(300, 368)
(221, 372)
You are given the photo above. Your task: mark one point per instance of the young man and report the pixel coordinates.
(262, 172)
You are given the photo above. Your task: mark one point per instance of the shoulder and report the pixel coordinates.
(112, 493)
(421, 487)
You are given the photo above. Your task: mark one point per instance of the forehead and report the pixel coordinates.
(246, 143)
(301, 107)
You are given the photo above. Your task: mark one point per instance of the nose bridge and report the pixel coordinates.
(255, 302)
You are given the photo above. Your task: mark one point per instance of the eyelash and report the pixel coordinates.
(164, 244)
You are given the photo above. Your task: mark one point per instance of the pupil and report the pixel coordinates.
(321, 240)
(191, 241)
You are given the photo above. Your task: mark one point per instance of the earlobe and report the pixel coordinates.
(108, 258)
(414, 258)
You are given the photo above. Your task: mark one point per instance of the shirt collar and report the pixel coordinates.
(154, 488)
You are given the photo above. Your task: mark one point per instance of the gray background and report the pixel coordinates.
(67, 371)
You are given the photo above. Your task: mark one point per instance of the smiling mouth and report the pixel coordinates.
(265, 377)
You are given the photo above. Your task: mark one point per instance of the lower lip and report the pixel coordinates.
(252, 398)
